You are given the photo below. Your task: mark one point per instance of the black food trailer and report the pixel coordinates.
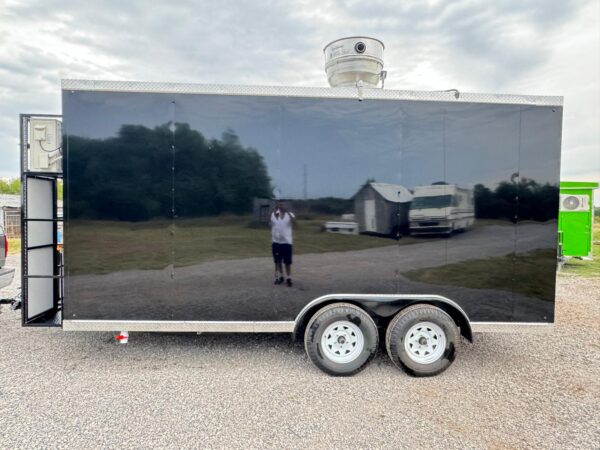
(160, 180)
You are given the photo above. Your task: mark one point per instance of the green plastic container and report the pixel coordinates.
(576, 218)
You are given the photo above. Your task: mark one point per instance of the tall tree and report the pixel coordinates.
(11, 186)
(131, 176)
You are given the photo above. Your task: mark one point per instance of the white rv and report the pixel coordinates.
(441, 208)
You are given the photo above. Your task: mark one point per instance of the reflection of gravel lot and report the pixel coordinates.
(80, 390)
(198, 290)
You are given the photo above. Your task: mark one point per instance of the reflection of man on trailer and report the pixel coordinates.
(281, 233)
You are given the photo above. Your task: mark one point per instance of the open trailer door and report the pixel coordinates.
(41, 268)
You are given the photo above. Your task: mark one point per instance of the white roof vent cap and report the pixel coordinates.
(355, 59)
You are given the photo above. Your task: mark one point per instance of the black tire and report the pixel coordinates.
(326, 317)
(402, 324)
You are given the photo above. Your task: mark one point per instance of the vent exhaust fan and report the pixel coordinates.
(354, 61)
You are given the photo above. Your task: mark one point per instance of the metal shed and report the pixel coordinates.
(10, 215)
(382, 208)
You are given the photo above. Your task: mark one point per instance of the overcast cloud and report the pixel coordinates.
(507, 46)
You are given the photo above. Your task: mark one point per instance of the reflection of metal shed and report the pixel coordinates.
(576, 218)
(382, 208)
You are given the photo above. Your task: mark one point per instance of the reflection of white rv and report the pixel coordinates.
(441, 208)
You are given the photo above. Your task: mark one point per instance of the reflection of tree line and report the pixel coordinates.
(536, 201)
(129, 177)
(326, 206)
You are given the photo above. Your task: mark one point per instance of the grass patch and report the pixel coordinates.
(103, 246)
(586, 268)
(494, 273)
(14, 246)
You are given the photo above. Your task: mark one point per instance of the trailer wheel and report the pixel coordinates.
(341, 339)
(421, 340)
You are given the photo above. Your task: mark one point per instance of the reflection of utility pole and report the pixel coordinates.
(305, 176)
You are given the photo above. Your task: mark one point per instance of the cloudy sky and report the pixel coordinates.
(507, 46)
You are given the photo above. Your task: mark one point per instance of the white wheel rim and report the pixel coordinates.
(342, 342)
(425, 342)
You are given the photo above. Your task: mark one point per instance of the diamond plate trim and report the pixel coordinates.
(262, 327)
(314, 92)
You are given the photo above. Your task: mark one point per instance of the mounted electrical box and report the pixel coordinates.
(45, 145)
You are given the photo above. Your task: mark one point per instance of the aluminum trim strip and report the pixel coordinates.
(511, 327)
(179, 326)
(299, 91)
(263, 327)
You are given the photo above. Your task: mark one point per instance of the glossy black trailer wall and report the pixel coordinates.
(168, 197)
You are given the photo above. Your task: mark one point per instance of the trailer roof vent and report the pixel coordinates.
(353, 59)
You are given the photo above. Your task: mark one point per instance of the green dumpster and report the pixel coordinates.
(576, 218)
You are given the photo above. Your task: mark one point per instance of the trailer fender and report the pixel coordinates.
(383, 307)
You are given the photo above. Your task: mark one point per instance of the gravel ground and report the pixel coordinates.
(81, 390)
(13, 261)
